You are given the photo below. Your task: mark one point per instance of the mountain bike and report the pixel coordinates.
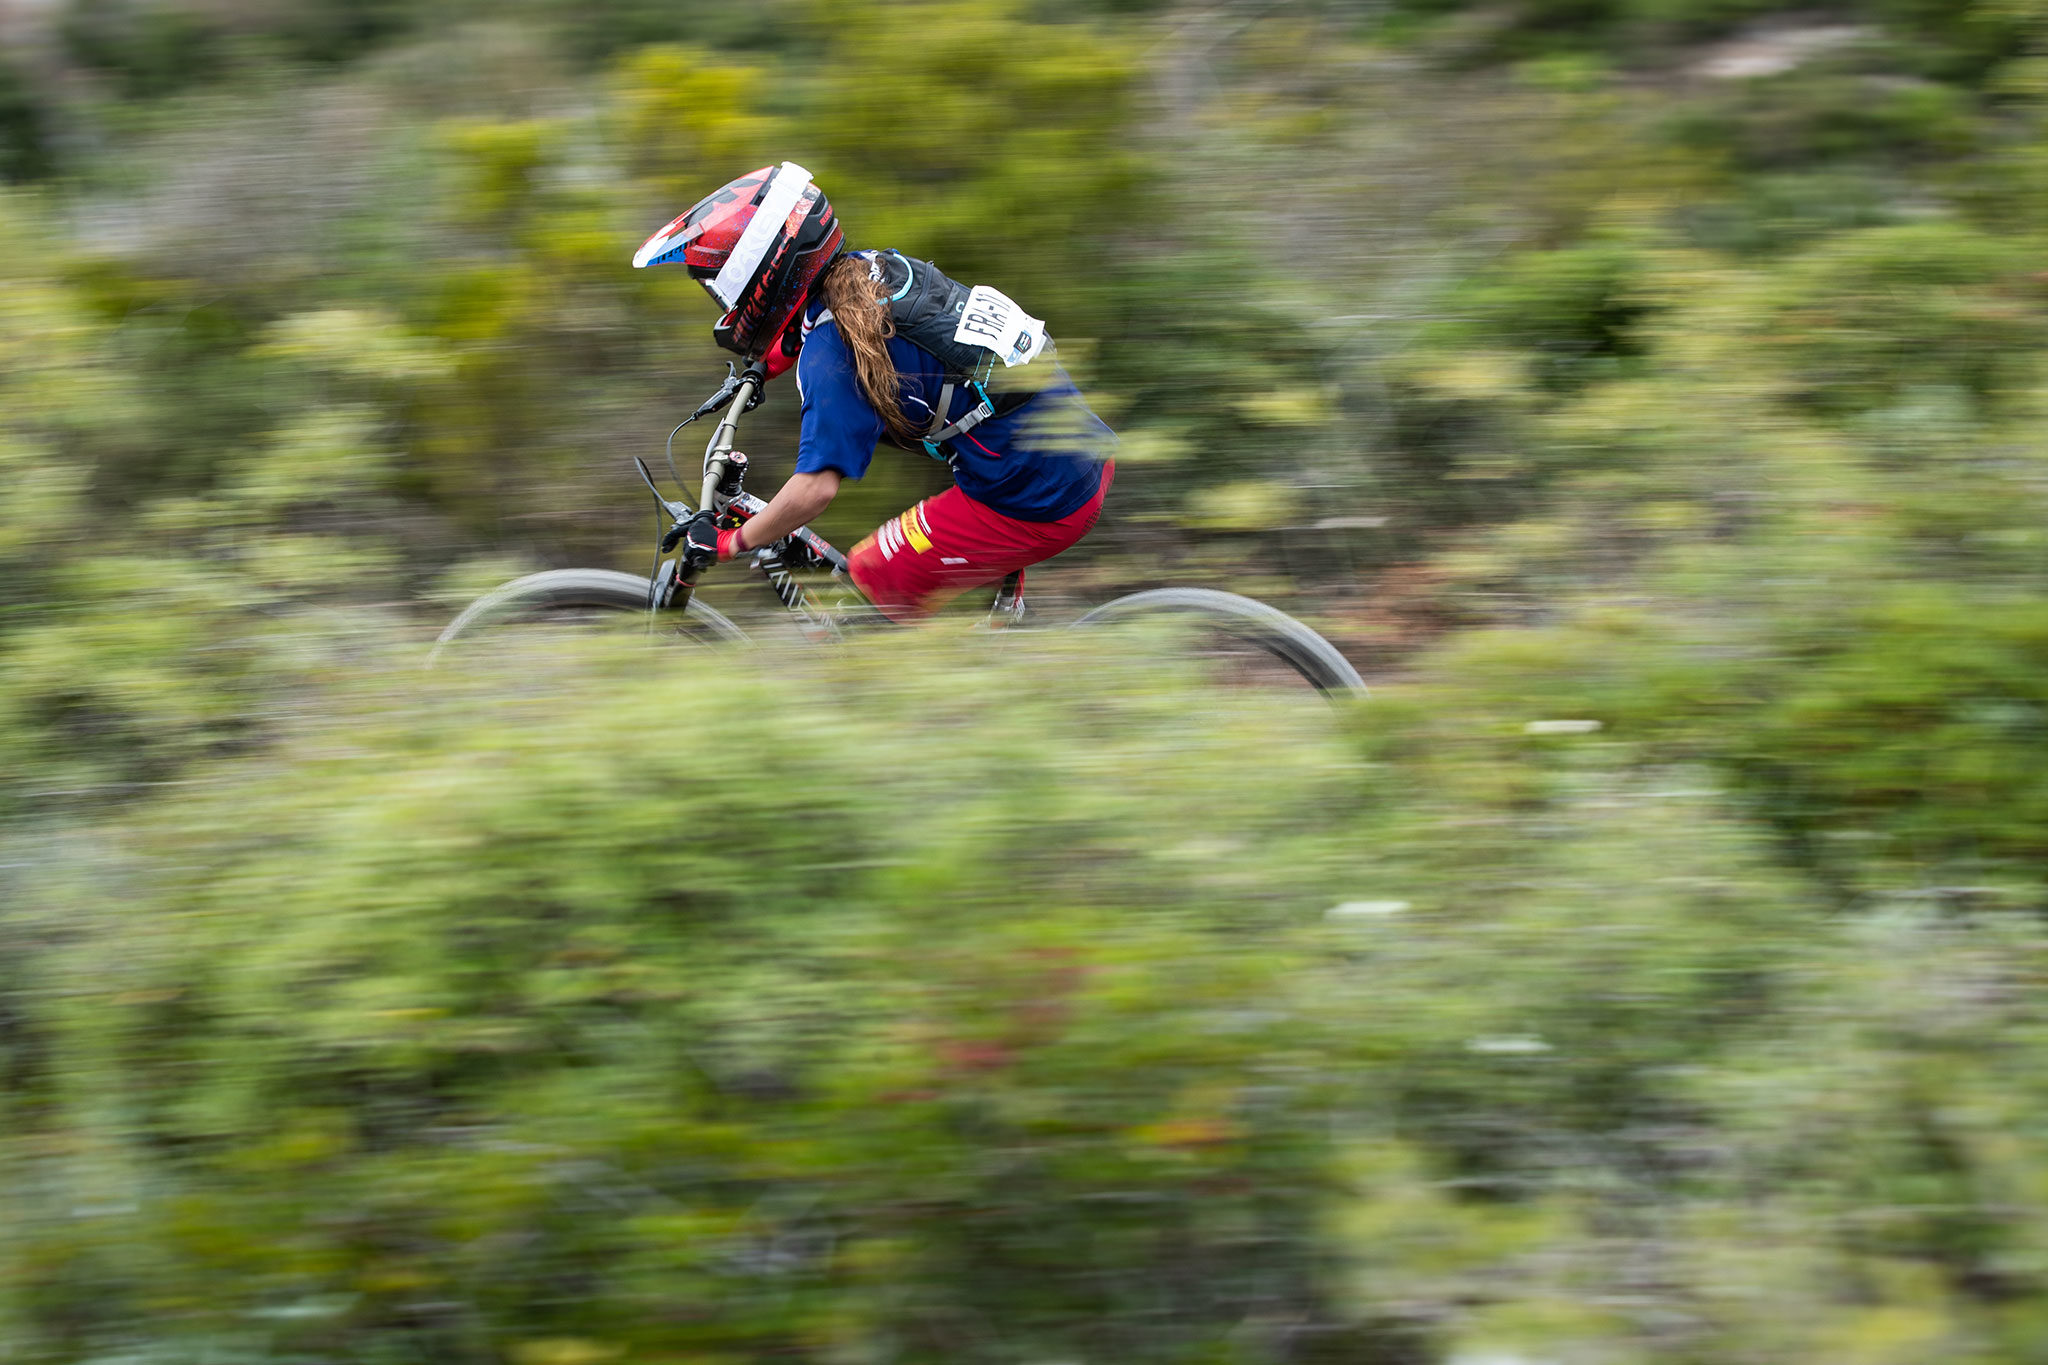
(1243, 639)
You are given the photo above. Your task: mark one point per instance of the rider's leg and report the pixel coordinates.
(949, 544)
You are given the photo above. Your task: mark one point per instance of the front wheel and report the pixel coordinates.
(1245, 638)
(581, 600)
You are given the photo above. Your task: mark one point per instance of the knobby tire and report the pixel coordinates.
(564, 592)
(1247, 621)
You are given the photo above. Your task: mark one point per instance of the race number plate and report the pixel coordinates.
(993, 320)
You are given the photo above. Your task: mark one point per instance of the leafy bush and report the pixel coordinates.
(1576, 309)
(151, 49)
(601, 29)
(1953, 40)
(850, 1057)
(1921, 730)
(1872, 313)
(1806, 120)
(154, 48)
(24, 137)
(1103, 1016)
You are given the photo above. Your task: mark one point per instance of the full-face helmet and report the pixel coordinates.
(757, 246)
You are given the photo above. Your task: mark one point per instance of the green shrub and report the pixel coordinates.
(24, 135)
(1576, 309)
(1870, 314)
(151, 49)
(1787, 210)
(903, 1043)
(1813, 120)
(1921, 730)
(598, 30)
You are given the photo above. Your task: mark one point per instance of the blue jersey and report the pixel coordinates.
(1038, 463)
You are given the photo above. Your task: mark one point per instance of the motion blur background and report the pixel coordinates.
(1646, 394)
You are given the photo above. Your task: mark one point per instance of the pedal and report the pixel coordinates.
(1008, 608)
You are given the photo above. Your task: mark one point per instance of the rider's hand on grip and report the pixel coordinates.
(702, 539)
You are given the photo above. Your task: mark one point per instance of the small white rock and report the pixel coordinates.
(1561, 727)
(1367, 909)
(1508, 1045)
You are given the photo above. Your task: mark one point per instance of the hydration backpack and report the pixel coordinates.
(968, 330)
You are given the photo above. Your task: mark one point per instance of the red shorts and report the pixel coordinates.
(915, 563)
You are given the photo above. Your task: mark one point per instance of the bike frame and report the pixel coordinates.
(722, 492)
(673, 584)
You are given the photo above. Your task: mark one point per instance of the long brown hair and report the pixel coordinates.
(864, 321)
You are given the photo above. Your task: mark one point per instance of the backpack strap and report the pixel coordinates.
(942, 431)
(909, 276)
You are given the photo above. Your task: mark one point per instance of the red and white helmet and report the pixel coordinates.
(757, 246)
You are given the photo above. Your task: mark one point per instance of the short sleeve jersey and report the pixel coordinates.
(1039, 463)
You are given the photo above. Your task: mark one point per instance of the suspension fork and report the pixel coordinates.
(716, 469)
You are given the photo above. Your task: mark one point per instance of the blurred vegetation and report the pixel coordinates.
(1647, 394)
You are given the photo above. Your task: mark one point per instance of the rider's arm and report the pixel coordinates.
(796, 502)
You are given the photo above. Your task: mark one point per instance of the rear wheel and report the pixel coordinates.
(580, 602)
(1240, 640)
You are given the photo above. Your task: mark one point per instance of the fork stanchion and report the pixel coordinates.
(715, 463)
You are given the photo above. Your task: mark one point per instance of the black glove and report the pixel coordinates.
(698, 536)
(703, 541)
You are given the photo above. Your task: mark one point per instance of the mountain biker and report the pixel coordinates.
(886, 348)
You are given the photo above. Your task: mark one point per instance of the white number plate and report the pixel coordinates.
(993, 320)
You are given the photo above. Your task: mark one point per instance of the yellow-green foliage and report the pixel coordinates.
(1028, 998)
(683, 112)
(905, 1032)
(998, 137)
(1647, 973)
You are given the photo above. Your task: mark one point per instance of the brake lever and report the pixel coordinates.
(723, 398)
(676, 511)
